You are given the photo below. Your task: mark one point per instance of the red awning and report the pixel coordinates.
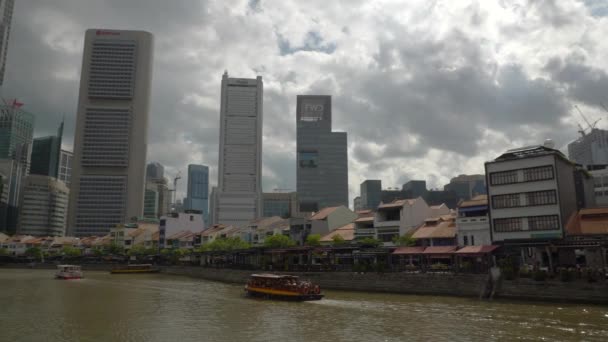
(440, 250)
(476, 250)
(408, 250)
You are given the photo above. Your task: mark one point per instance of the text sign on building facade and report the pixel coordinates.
(312, 110)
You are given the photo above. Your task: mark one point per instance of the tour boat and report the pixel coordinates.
(135, 268)
(68, 272)
(282, 287)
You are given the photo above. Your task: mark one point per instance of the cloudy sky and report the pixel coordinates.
(425, 89)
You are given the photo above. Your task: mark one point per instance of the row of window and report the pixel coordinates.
(534, 223)
(534, 198)
(532, 174)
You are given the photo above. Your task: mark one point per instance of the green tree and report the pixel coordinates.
(137, 250)
(98, 251)
(338, 240)
(70, 251)
(405, 240)
(313, 240)
(3, 251)
(114, 248)
(33, 252)
(369, 242)
(279, 241)
(224, 244)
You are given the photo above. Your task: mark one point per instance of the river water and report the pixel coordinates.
(157, 307)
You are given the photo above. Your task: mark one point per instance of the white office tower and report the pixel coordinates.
(6, 15)
(110, 143)
(44, 206)
(590, 149)
(240, 156)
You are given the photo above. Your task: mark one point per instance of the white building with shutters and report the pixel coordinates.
(240, 156)
(110, 143)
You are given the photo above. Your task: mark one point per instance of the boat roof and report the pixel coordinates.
(138, 265)
(64, 266)
(273, 276)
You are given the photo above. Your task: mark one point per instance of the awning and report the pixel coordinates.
(476, 250)
(409, 250)
(440, 250)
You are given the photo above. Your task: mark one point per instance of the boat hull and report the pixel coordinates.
(281, 294)
(68, 277)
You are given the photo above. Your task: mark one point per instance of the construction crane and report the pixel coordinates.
(591, 125)
(177, 177)
(606, 109)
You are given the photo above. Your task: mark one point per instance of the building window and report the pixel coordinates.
(465, 240)
(538, 173)
(308, 159)
(505, 201)
(506, 225)
(191, 218)
(549, 222)
(503, 177)
(541, 197)
(472, 240)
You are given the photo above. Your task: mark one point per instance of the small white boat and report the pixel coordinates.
(68, 272)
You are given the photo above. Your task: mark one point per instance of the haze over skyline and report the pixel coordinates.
(425, 89)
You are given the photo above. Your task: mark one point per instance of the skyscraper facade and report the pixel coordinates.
(371, 193)
(6, 15)
(44, 206)
(198, 189)
(240, 154)
(66, 159)
(322, 165)
(155, 171)
(110, 143)
(590, 149)
(46, 153)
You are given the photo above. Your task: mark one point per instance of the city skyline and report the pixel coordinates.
(422, 136)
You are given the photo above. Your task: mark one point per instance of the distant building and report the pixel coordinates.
(467, 186)
(155, 171)
(590, 149)
(415, 188)
(110, 142)
(322, 162)
(328, 219)
(357, 204)
(198, 189)
(399, 218)
(66, 159)
(213, 206)
(600, 186)
(239, 190)
(6, 15)
(371, 193)
(532, 192)
(472, 222)
(281, 204)
(46, 152)
(44, 206)
(151, 201)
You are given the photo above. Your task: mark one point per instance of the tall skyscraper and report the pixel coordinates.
(16, 131)
(44, 206)
(240, 156)
(322, 165)
(46, 153)
(155, 171)
(590, 149)
(110, 143)
(198, 190)
(6, 15)
(371, 193)
(66, 159)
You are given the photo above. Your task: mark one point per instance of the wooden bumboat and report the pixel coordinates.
(286, 287)
(67, 272)
(135, 268)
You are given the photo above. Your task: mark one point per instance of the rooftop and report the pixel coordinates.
(437, 228)
(347, 232)
(323, 213)
(593, 221)
(478, 200)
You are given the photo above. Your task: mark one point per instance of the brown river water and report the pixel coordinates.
(158, 307)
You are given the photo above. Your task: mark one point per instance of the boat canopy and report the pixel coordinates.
(273, 276)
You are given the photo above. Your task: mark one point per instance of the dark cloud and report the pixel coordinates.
(582, 82)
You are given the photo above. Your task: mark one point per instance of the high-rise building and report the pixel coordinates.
(240, 156)
(151, 201)
(371, 193)
(322, 165)
(66, 159)
(155, 170)
(6, 15)
(213, 206)
(44, 206)
(46, 153)
(357, 204)
(282, 204)
(198, 190)
(110, 143)
(467, 186)
(590, 149)
(415, 188)
(16, 131)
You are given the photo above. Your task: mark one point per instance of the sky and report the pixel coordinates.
(425, 89)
